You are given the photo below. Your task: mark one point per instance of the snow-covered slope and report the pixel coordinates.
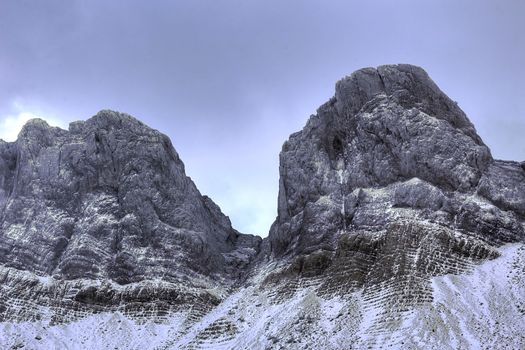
(481, 309)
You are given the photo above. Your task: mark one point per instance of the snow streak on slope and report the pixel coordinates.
(483, 309)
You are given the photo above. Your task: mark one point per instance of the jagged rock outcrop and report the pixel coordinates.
(109, 200)
(387, 187)
(389, 128)
(395, 228)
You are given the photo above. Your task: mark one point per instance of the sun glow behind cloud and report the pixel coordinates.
(12, 122)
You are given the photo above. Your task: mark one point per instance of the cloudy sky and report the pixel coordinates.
(228, 80)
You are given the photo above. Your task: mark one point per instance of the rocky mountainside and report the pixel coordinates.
(395, 228)
(108, 202)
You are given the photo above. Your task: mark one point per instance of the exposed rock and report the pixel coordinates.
(504, 184)
(109, 200)
(395, 228)
(391, 134)
(390, 184)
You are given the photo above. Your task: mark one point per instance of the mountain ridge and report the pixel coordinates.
(389, 202)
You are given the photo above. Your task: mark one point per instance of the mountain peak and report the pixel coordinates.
(35, 127)
(384, 127)
(111, 166)
(408, 85)
(110, 117)
(385, 193)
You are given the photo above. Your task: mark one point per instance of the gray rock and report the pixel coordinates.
(504, 184)
(109, 200)
(387, 189)
(384, 126)
(418, 194)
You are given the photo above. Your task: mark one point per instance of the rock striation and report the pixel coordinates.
(108, 200)
(387, 187)
(396, 228)
(391, 134)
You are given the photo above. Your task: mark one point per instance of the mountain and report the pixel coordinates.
(395, 228)
(104, 214)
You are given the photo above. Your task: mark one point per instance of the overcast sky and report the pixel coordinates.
(228, 81)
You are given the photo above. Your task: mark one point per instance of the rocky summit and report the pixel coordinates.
(396, 228)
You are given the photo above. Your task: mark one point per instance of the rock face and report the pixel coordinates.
(109, 200)
(395, 227)
(387, 187)
(389, 128)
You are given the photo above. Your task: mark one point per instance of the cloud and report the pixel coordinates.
(11, 123)
(251, 209)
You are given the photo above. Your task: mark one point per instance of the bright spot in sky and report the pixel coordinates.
(12, 123)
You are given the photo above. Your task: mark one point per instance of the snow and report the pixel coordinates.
(103, 331)
(481, 308)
